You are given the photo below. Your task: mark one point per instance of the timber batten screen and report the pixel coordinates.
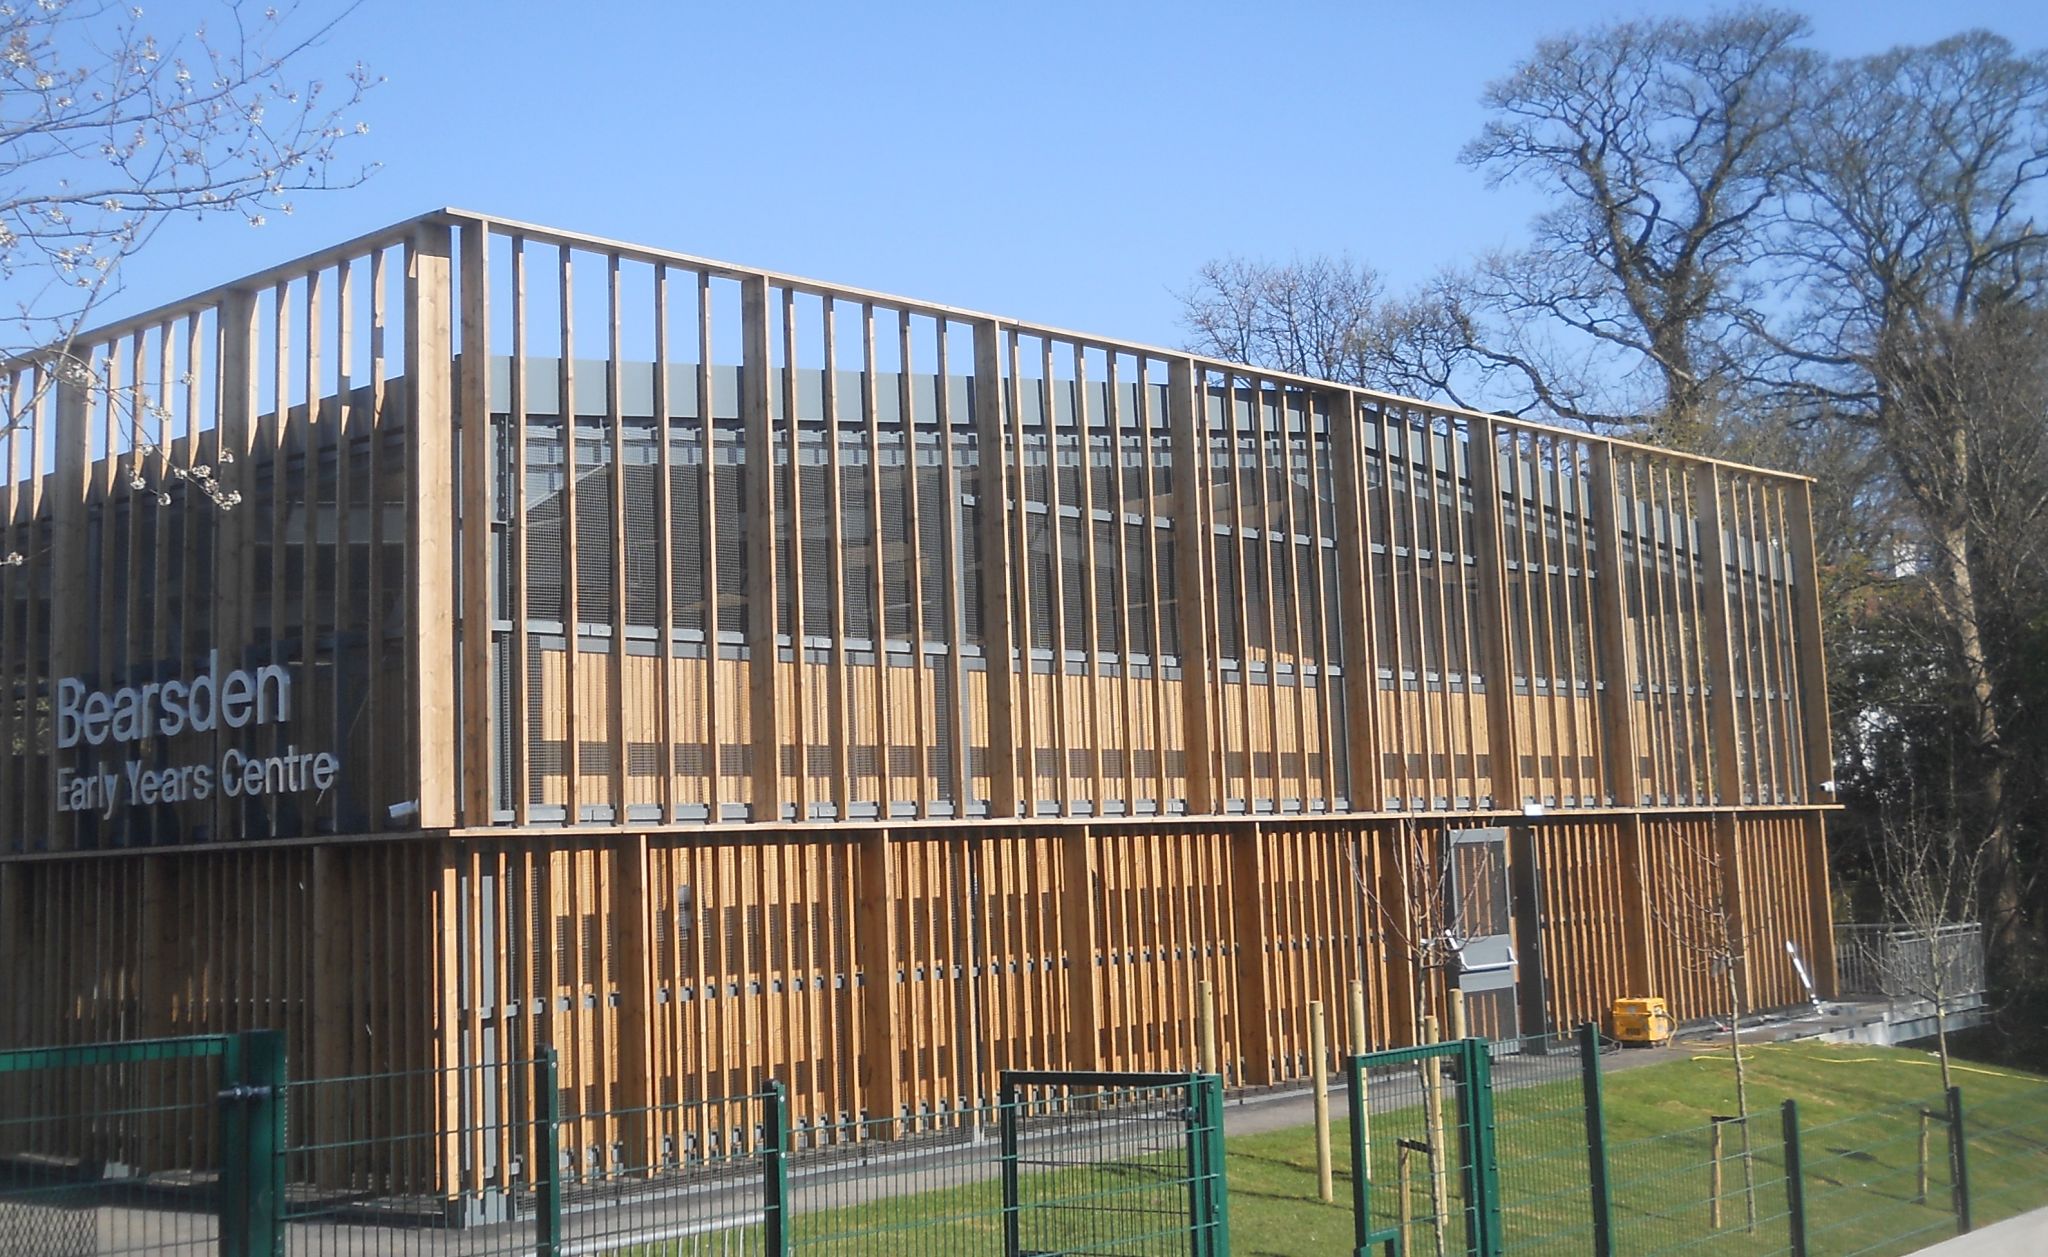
(762, 581)
(717, 674)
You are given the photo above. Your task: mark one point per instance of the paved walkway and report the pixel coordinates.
(2024, 1236)
(1293, 1105)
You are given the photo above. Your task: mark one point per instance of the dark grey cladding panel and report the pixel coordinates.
(636, 388)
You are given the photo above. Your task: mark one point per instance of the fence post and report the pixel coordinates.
(1013, 1239)
(1958, 1160)
(1483, 1184)
(252, 1145)
(547, 1175)
(1356, 1101)
(775, 1169)
(1795, 1181)
(1596, 1140)
(1212, 1217)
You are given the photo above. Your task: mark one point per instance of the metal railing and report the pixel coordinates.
(1900, 962)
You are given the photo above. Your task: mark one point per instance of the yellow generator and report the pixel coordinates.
(1642, 1022)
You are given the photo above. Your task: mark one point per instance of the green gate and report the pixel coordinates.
(1113, 1163)
(155, 1145)
(1422, 1127)
(1476, 1156)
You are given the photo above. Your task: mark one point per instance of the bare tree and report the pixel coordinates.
(1655, 139)
(1317, 316)
(1920, 271)
(1928, 871)
(109, 128)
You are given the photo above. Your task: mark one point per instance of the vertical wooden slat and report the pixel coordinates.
(1565, 471)
(631, 906)
(1158, 688)
(761, 556)
(347, 425)
(1091, 647)
(1289, 529)
(920, 732)
(1716, 640)
(1657, 545)
(1357, 607)
(473, 416)
(516, 665)
(572, 612)
(793, 733)
(1244, 518)
(1188, 446)
(233, 442)
(838, 723)
(961, 741)
(615, 442)
(1396, 713)
(1079, 916)
(430, 519)
(1504, 750)
(878, 563)
(375, 702)
(1470, 638)
(70, 607)
(1251, 931)
(1818, 745)
(1543, 615)
(1636, 920)
(1128, 717)
(1056, 608)
(13, 835)
(996, 481)
(1610, 637)
(1773, 613)
(714, 595)
(875, 941)
(665, 613)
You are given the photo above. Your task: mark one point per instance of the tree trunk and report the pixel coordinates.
(1999, 893)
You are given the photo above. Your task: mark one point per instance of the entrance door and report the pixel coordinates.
(1484, 926)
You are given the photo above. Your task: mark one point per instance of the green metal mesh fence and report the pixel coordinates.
(111, 1149)
(1700, 1190)
(371, 1165)
(2008, 1152)
(1877, 1181)
(1071, 1164)
(1539, 1107)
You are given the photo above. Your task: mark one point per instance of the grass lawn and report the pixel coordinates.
(1859, 1114)
(1860, 1135)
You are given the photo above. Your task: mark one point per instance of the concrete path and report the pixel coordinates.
(2024, 1236)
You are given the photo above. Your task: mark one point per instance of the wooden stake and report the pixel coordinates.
(1205, 1013)
(1457, 1002)
(1406, 1174)
(1319, 1070)
(1714, 1179)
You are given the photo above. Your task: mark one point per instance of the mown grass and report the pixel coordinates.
(1859, 1110)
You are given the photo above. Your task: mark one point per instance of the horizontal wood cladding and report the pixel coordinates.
(548, 530)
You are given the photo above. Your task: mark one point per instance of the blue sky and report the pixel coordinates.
(1066, 163)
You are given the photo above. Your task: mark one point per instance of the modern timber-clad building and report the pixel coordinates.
(721, 675)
